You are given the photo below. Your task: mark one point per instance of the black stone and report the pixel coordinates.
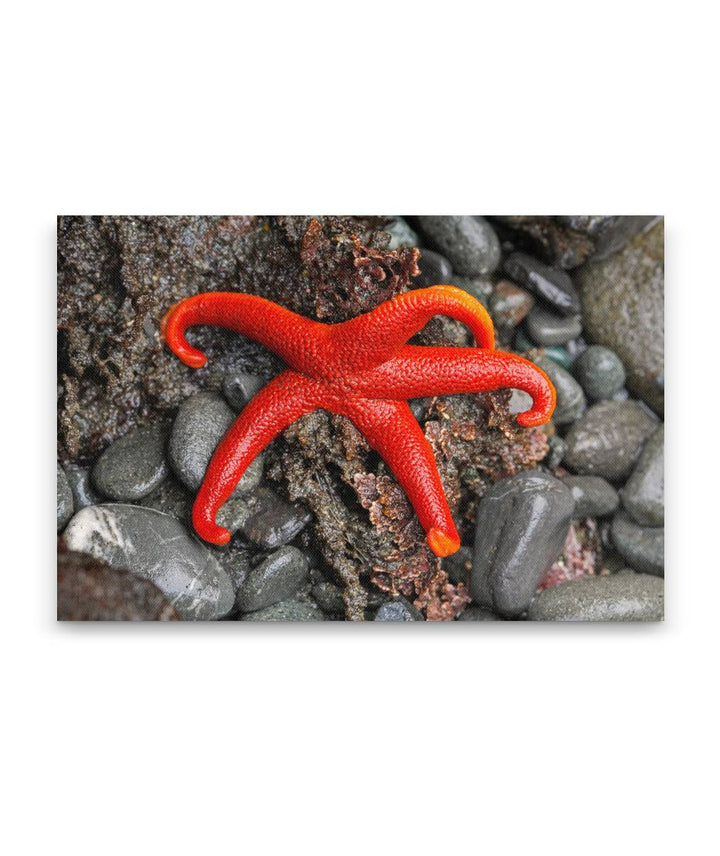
(434, 270)
(239, 388)
(642, 547)
(275, 579)
(272, 521)
(644, 494)
(571, 401)
(546, 327)
(594, 497)
(133, 466)
(469, 242)
(553, 286)
(398, 609)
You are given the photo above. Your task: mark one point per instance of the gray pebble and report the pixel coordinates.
(594, 497)
(329, 598)
(522, 523)
(273, 522)
(398, 609)
(287, 610)
(458, 565)
(479, 287)
(508, 305)
(616, 597)
(554, 286)
(64, 499)
(133, 466)
(600, 372)
(156, 547)
(557, 447)
(571, 401)
(239, 388)
(276, 578)
(80, 482)
(608, 439)
(202, 421)
(470, 243)
(546, 327)
(644, 494)
(642, 547)
(434, 270)
(477, 613)
(401, 235)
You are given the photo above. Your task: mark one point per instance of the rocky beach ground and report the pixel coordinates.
(563, 523)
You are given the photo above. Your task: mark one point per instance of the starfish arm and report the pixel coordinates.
(285, 399)
(374, 337)
(297, 340)
(392, 430)
(419, 371)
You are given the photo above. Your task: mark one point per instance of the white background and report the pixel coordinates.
(358, 739)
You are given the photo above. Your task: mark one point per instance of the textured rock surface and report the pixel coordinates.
(434, 270)
(642, 547)
(571, 402)
(594, 497)
(600, 372)
(286, 610)
(522, 524)
(622, 307)
(608, 439)
(546, 327)
(134, 465)
(276, 578)
(272, 522)
(64, 499)
(398, 609)
(617, 597)
(470, 243)
(551, 285)
(156, 547)
(644, 494)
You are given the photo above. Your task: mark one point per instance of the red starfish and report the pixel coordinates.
(363, 370)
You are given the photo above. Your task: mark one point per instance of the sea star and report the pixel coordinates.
(363, 370)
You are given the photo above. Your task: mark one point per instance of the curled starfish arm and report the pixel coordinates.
(297, 340)
(285, 399)
(419, 371)
(374, 337)
(392, 430)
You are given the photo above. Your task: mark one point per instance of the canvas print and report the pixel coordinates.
(360, 418)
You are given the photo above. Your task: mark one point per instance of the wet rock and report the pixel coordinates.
(644, 494)
(608, 439)
(479, 287)
(546, 327)
(434, 270)
(202, 421)
(558, 448)
(551, 285)
(571, 402)
(240, 387)
(470, 243)
(275, 579)
(609, 234)
(235, 561)
(622, 307)
(642, 547)
(90, 590)
(287, 610)
(64, 499)
(458, 565)
(398, 609)
(80, 482)
(133, 466)
(156, 547)
(600, 372)
(171, 497)
(616, 597)
(272, 521)
(401, 235)
(522, 523)
(594, 497)
(508, 305)
(329, 598)
(575, 347)
(477, 613)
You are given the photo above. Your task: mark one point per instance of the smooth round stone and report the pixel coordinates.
(546, 327)
(509, 304)
(133, 466)
(571, 402)
(594, 497)
(401, 235)
(644, 494)
(434, 270)
(275, 579)
(608, 439)
(64, 499)
(90, 590)
(273, 522)
(201, 423)
(642, 547)
(239, 388)
(477, 613)
(575, 347)
(616, 597)
(522, 523)
(557, 447)
(623, 309)
(287, 610)
(600, 372)
(156, 547)
(329, 598)
(80, 482)
(479, 287)
(469, 242)
(556, 353)
(549, 284)
(398, 609)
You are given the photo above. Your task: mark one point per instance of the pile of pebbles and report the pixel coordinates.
(597, 330)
